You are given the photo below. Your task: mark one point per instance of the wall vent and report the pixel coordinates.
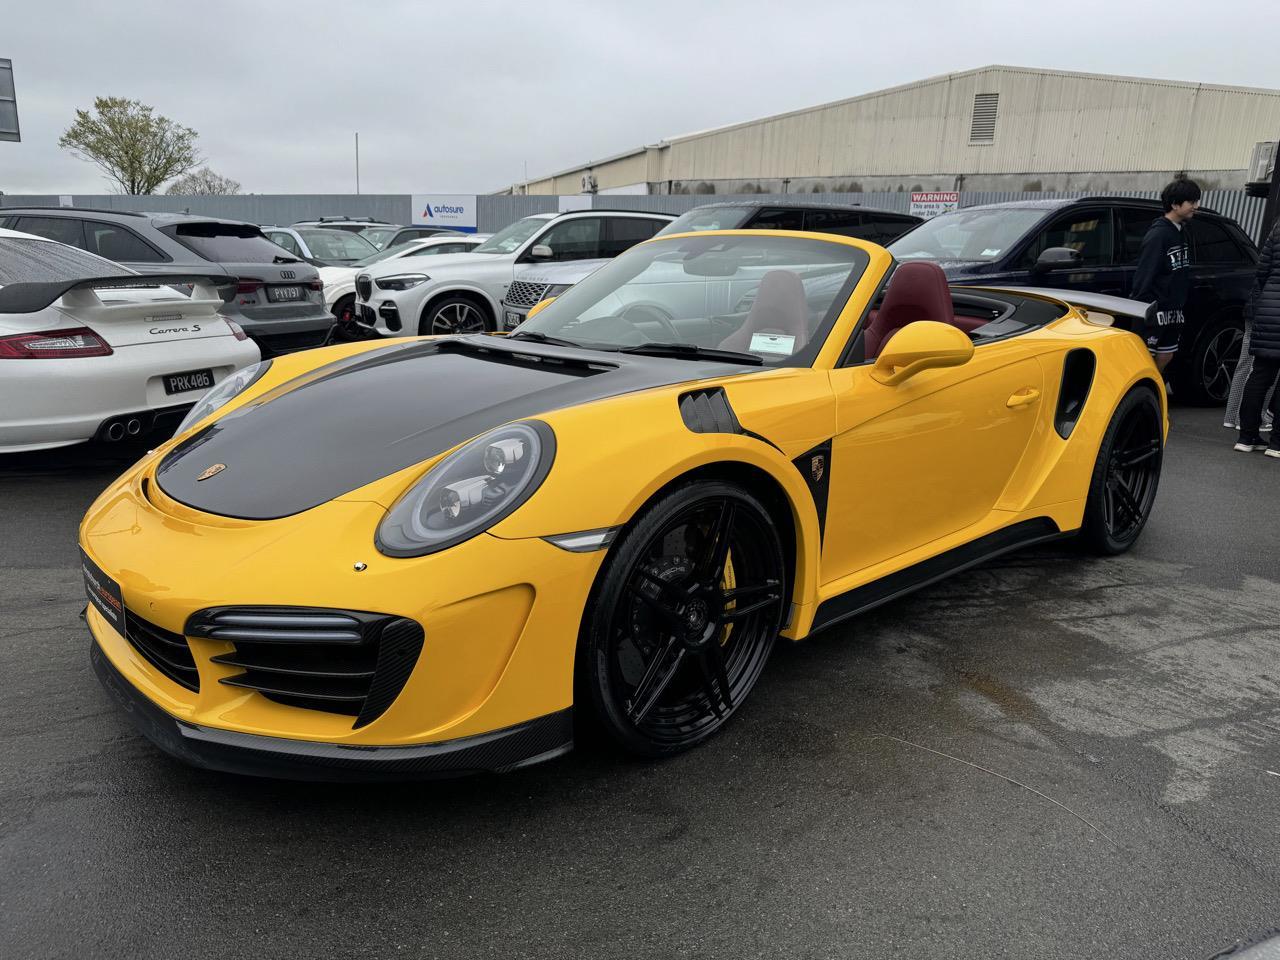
(982, 129)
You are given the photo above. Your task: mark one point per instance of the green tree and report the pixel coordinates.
(132, 145)
(203, 183)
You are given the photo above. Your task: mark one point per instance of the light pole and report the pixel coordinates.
(357, 163)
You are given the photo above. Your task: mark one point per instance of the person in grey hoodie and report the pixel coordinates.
(1264, 347)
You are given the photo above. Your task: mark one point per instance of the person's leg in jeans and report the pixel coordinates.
(1260, 380)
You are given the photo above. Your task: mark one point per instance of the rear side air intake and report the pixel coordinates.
(1077, 378)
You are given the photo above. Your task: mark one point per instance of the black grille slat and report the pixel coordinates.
(340, 661)
(364, 288)
(167, 652)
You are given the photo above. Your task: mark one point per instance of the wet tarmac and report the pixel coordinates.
(1049, 756)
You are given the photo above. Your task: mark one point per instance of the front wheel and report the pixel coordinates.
(1125, 475)
(683, 618)
(453, 315)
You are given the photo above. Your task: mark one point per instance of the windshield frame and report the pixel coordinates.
(860, 261)
(1032, 217)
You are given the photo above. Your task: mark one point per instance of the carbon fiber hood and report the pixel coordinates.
(346, 425)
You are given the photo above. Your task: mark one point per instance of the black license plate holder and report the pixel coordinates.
(188, 380)
(285, 294)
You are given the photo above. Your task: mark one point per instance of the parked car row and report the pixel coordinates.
(168, 305)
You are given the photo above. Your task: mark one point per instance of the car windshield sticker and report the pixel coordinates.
(991, 252)
(772, 343)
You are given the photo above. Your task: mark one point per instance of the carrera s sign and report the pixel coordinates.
(450, 211)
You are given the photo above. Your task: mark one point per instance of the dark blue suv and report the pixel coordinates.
(1092, 244)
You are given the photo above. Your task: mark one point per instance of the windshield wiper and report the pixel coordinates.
(658, 348)
(537, 337)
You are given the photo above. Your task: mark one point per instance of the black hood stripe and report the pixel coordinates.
(347, 424)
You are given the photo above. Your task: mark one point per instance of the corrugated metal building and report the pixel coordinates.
(992, 129)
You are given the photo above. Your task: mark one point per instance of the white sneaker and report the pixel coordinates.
(1272, 452)
(1249, 446)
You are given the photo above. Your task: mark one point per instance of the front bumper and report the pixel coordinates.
(231, 752)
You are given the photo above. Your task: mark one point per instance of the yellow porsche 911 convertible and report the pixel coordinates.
(431, 556)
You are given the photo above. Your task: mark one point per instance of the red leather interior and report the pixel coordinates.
(918, 291)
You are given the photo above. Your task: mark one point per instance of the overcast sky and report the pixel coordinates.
(458, 97)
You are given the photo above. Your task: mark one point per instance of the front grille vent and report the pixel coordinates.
(364, 287)
(167, 652)
(339, 661)
(522, 293)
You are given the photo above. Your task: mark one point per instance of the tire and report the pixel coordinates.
(344, 308)
(1205, 378)
(454, 315)
(670, 647)
(1125, 476)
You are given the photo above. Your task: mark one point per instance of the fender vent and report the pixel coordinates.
(339, 661)
(1077, 378)
(708, 411)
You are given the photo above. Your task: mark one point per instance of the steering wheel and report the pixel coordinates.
(639, 313)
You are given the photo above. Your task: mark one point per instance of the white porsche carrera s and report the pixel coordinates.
(92, 350)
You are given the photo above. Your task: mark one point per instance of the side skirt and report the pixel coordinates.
(871, 595)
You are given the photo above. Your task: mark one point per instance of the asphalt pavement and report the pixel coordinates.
(1049, 756)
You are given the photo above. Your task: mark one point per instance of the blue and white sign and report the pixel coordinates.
(452, 211)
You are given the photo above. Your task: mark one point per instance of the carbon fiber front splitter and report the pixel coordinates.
(225, 750)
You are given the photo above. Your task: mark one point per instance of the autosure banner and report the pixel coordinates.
(452, 211)
(929, 205)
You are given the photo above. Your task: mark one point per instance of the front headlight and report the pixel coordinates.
(470, 490)
(220, 395)
(401, 281)
(555, 290)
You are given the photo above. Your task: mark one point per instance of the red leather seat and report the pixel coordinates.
(779, 308)
(918, 291)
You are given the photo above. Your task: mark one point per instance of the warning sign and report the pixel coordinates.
(929, 205)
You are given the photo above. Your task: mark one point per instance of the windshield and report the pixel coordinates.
(337, 244)
(708, 218)
(508, 239)
(378, 236)
(773, 297)
(979, 234)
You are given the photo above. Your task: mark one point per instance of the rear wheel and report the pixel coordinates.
(454, 315)
(1205, 377)
(1125, 475)
(683, 618)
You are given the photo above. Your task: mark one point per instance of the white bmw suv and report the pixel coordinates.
(463, 292)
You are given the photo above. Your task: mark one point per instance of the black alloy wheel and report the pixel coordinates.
(455, 315)
(1126, 474)
(1212, 364)
(683, 618)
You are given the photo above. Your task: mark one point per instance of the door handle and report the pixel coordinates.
(1023, 397)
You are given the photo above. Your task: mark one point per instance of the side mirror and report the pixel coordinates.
(538, 307)
(1056, 258)
(919, 346)
(541, 251)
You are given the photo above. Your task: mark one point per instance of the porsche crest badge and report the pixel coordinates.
(817, 467)
(211, 471)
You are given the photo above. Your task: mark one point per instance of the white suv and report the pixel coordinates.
(463, 292)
